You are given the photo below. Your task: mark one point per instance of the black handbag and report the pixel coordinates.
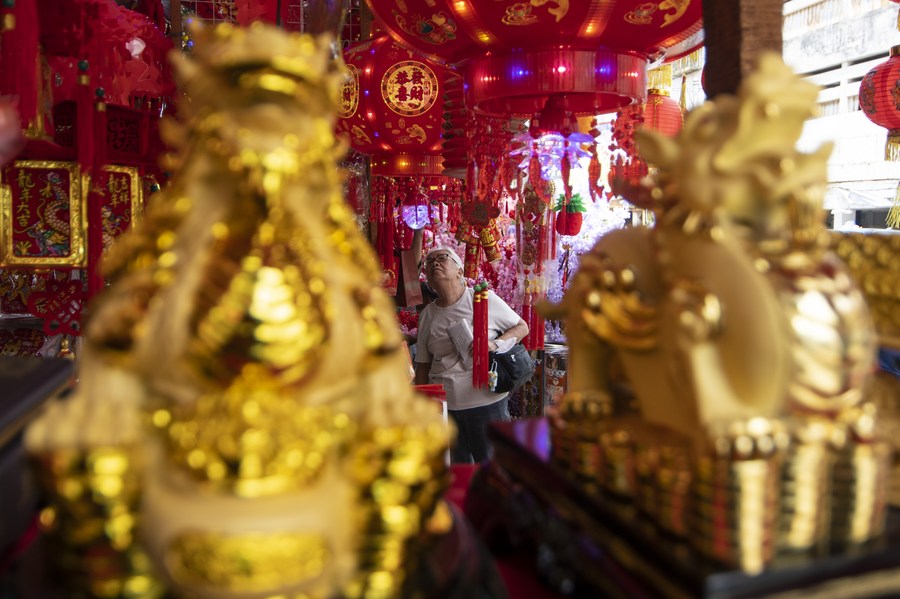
(510, 370)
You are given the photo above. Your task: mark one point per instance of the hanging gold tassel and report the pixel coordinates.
(892, 147)
(692, 62)
(660, 78)
(893, 217)
(682, 101)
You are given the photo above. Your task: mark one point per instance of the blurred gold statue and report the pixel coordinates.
(738, 332)
(246, 321)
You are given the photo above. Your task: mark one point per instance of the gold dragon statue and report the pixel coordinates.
(744, 340)
(246, 325)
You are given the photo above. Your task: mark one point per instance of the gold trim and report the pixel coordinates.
(77, 218)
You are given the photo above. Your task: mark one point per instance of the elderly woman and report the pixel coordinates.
(439, 361)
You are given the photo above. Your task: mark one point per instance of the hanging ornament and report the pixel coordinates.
(879, 99)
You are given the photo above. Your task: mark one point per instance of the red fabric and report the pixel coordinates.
(19, 56)
(153, 10)
(249, 11)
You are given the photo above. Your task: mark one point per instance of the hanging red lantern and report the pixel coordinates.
(879, 99)
(514, 56)
(662, 113)
(391, 107)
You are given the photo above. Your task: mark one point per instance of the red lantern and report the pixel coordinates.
(516, 55)
(391, 107)
(879, 99)
(662, 114)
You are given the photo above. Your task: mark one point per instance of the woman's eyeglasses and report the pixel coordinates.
(436, 259)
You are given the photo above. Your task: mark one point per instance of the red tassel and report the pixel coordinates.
(19, 76)
(480, 337)
(95, 197)
(84, 119)
(566, 170)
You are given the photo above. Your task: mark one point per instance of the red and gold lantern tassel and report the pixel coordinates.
(566, 170)
(893, 217)
(480, 368)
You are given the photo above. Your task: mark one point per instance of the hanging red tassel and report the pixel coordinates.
(20, 75)
(84, 118)
(480, 368)
(98, 178)
(566, 170)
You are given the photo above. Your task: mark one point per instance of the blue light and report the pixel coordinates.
(365, 92)
(376, 134)
(516, 72)
(604, 69)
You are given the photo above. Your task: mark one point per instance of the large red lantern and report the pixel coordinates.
(391, 107)
(514, 55)
(879, 99)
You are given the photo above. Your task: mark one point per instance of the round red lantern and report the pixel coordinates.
(879, 99)
(662, 113)
(391, 107)
(514, 55)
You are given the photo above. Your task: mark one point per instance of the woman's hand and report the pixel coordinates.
(492, 346)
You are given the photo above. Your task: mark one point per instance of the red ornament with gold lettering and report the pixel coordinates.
(391, 107)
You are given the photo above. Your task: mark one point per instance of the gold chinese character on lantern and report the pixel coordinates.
(349, 98)
(409, 88)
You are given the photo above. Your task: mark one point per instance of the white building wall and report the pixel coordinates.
(835, 43)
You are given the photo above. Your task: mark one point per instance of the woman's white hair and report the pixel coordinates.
(453, 255)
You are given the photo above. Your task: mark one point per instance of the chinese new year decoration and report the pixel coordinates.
(390, 109)
(85, 84)
(879, 99)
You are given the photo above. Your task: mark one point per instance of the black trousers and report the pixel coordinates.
(471, 425)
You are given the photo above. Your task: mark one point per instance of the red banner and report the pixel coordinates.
(122, 201)
(42, 217)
